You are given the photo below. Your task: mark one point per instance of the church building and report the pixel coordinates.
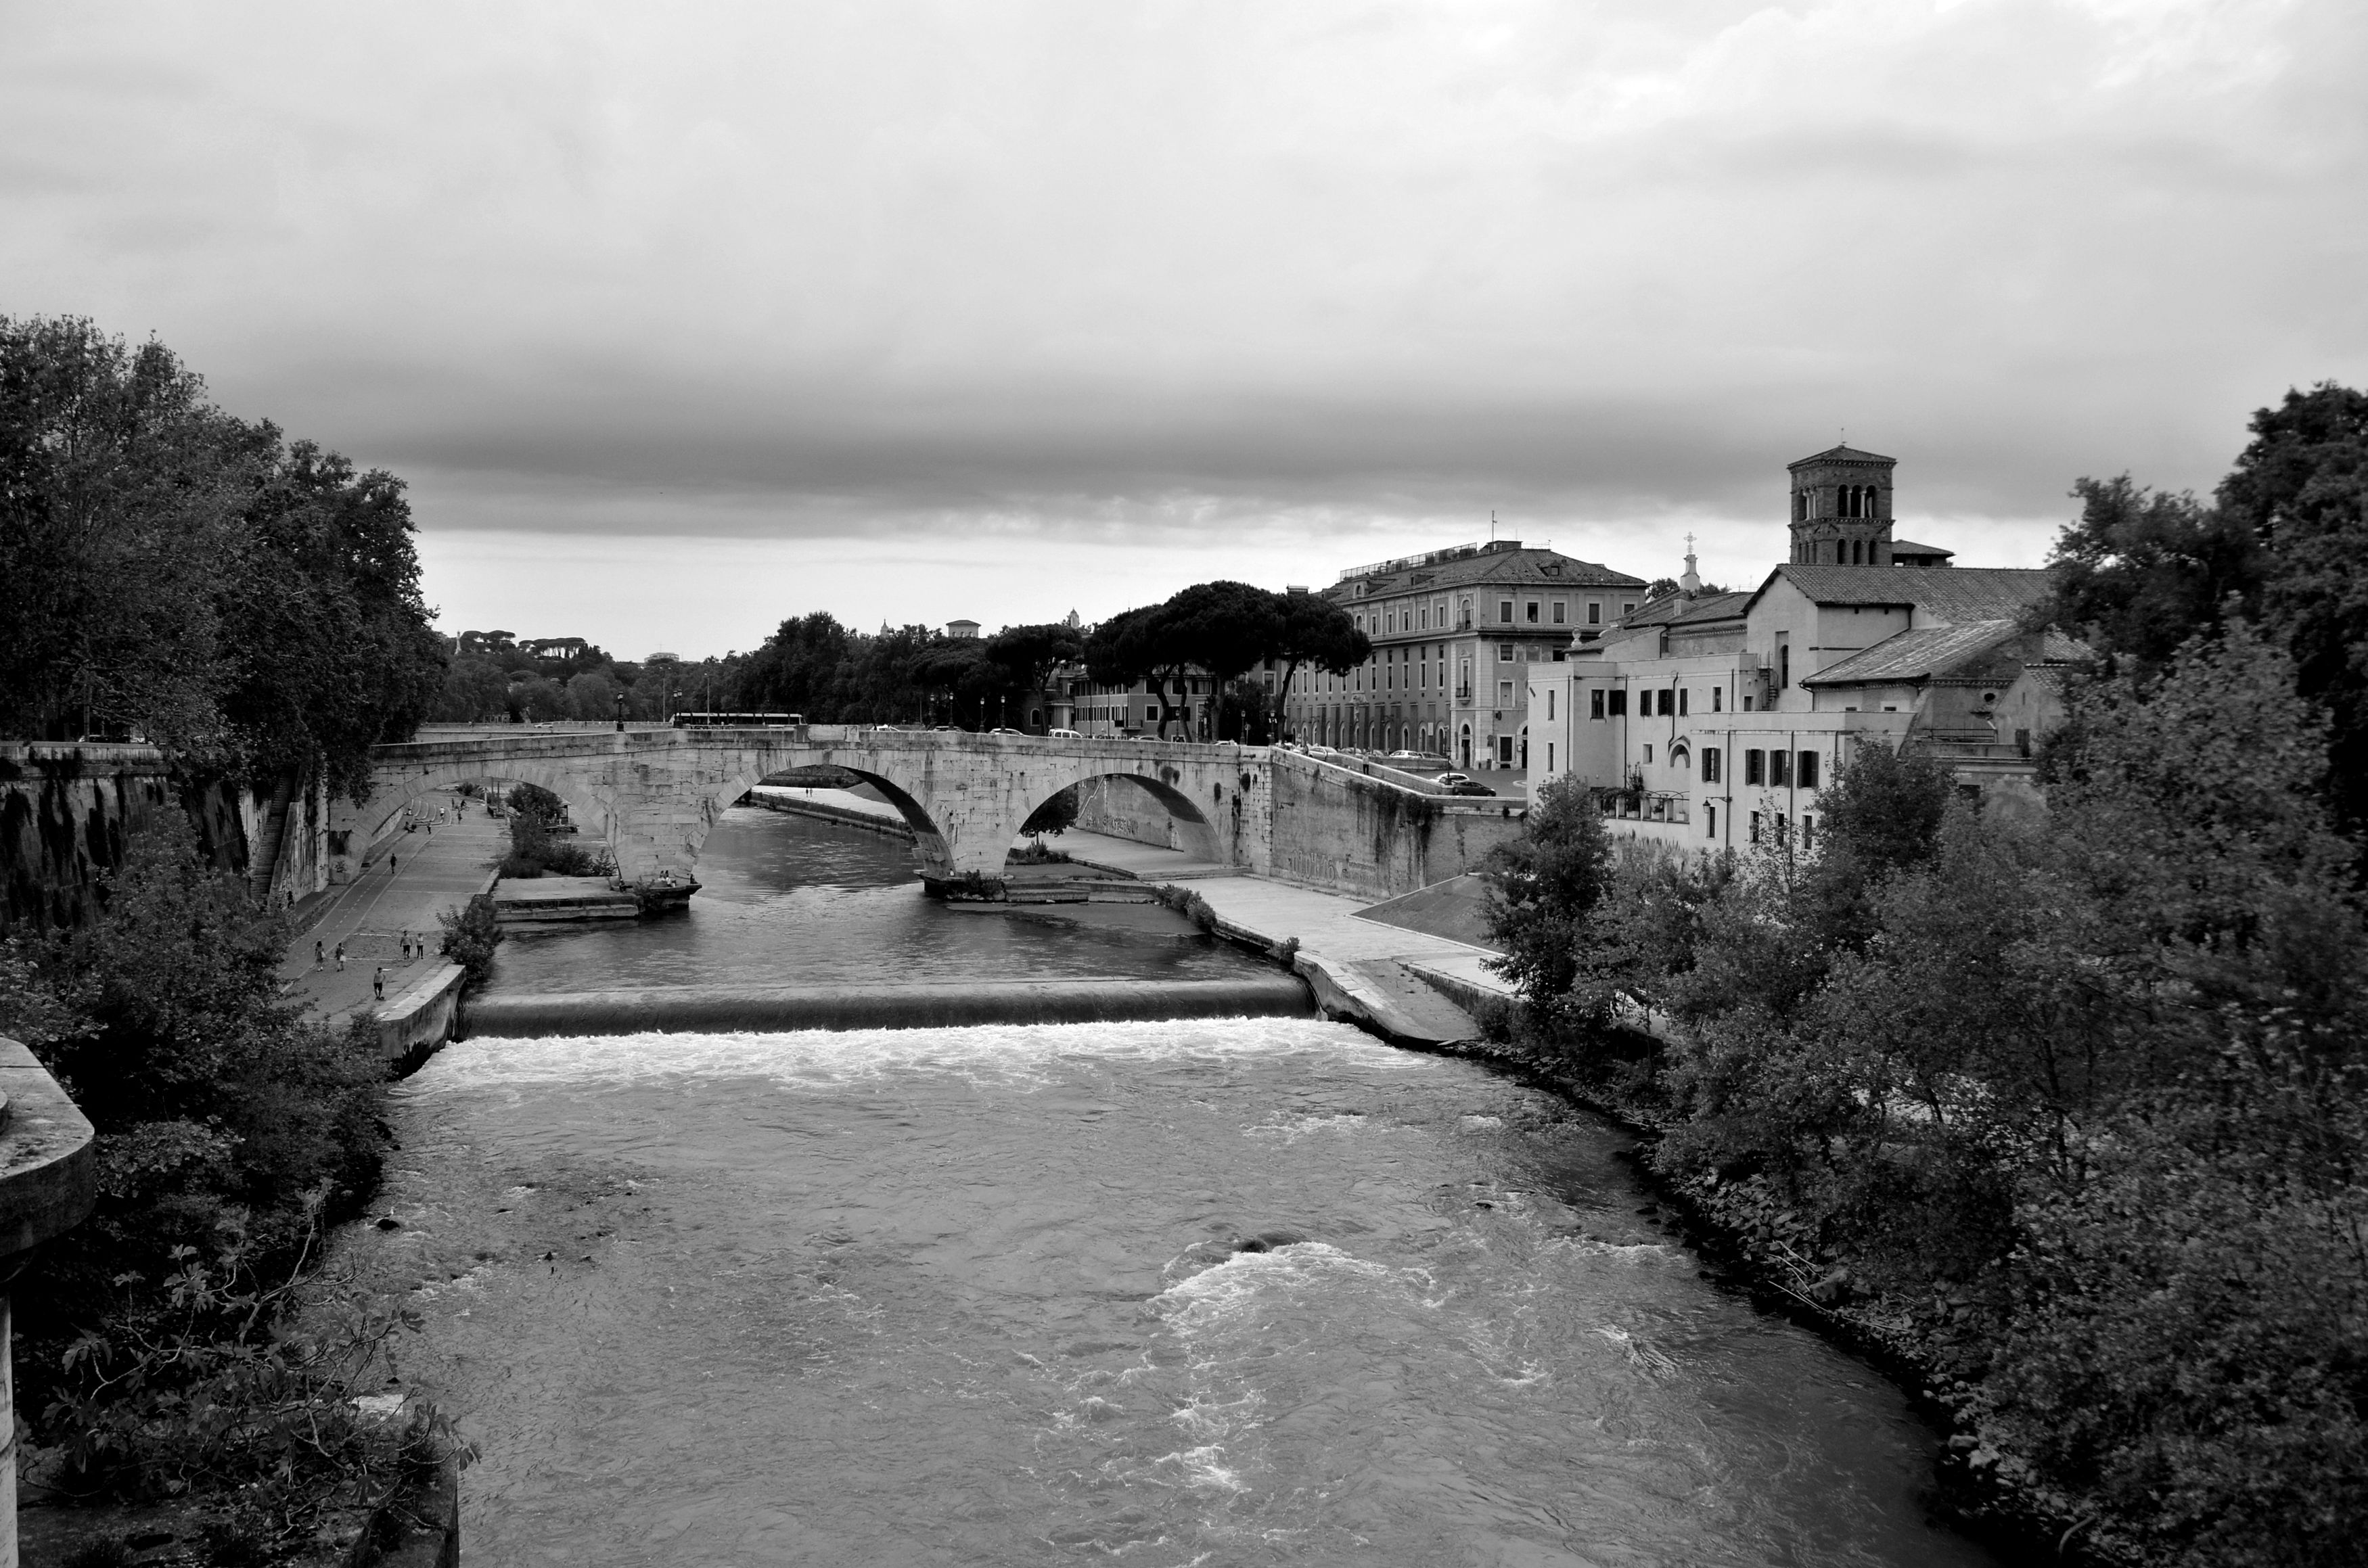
(1714, 719)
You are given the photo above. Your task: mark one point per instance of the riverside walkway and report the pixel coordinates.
(425, 874)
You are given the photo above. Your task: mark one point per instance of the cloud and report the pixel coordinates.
(1242, 275)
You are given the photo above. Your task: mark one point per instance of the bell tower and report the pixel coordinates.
(1841, 508)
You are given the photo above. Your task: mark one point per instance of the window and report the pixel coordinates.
(1681, 702)
(1808, 778)
(1808, 830)
(1710, 815)
(1783, 663)
(1755, 764)
(1755, 817)
(1503, 652)
(1504, 612)
(1648, 751)
(1627, 606)
(1561, 612)
(1594, 703)
(1550, 703)
(1619, 704)
(1717, 695)
(1550, 768)
(1780, 769)
(1594, 613)
(1529, 612)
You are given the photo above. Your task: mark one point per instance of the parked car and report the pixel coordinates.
(1063, 735)
(1004, 730)
(1469, 787)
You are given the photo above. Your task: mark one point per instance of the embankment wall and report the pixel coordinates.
(66, 815)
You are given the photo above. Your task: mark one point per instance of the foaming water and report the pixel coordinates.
(1239, 1291)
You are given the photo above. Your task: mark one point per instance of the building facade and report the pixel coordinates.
(1715, 720)
(1457, 634)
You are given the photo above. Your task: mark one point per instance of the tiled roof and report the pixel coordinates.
(1931, 651)
(1946, 594)
(1675, 609)
(1502, 568)
(1916, 655)
(1910, 547)
(1841, 455)
(1714, 607)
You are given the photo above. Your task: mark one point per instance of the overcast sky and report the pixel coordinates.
(682, 319)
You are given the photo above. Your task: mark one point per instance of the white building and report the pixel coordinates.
(1715, 719)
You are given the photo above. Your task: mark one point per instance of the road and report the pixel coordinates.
(428, 871)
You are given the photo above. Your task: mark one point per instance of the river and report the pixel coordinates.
(1213, 1292)
(789, 901)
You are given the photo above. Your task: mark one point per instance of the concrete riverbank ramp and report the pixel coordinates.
(723, 1009)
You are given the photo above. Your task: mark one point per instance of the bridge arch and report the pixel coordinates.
(929, 840)
(1195, 832)
(588, 805)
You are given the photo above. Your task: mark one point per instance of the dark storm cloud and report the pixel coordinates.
(1280, 284)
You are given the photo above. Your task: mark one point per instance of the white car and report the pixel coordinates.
(1063, 735)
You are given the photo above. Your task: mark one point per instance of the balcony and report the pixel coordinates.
(1643, 805)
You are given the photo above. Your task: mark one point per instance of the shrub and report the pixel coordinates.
(471, 935)
(229, 1128)
(535, 853)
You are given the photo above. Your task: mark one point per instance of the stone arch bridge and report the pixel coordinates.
(655, 795)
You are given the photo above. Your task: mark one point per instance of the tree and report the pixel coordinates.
(250, 603)
(1318, 632)
(804, 668)
(1132, 646)
(2301, 488)
(474, 689)
(1055, 817)
(1026, 655)
(1542, 888)
(2143, 571)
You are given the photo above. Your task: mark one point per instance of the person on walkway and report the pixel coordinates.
(407, 947)
(391, 864)
(320, 952)
(378, 983)
(341, 958)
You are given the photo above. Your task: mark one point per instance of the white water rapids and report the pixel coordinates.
(980, 1297)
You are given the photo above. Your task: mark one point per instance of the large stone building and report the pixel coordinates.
(1715, 719)
(1456, 635)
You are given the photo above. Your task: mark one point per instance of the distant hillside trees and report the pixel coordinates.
(177, 573)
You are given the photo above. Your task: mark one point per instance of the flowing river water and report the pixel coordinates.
(1209, 1292)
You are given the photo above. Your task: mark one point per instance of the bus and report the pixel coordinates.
(739, 720)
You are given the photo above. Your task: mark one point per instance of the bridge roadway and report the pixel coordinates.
(654, 795)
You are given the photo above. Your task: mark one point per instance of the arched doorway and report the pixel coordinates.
(1464, 753)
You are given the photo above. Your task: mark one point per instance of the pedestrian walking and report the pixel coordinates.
(407, 947)
(378, 983)
(391, 863)
(320, 952)
(341, 958)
